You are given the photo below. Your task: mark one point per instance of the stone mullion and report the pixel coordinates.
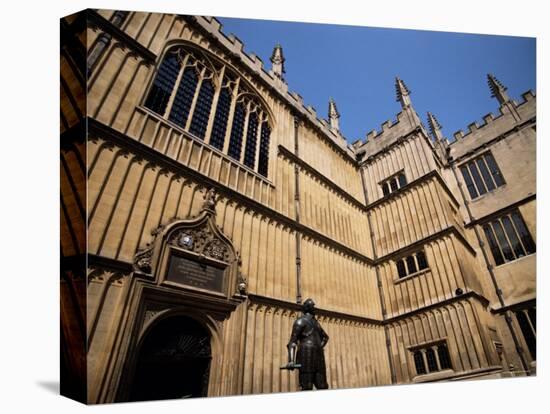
(176, 87)
(214, 107)
(230, 117)
(195, 99)
(425, 359)
(434, 348)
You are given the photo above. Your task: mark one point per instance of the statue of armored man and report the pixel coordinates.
(305, 349)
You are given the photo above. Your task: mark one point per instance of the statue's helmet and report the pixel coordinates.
(308, 306)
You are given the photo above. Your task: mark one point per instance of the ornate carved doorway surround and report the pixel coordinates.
(188, 273)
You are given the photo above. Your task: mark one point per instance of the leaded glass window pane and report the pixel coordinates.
(444, 358)
(393, 184)
(421, 259)
(528, 333)
(477, 179)
(220, 119)
(184, 97)
(432, 363)
(485, 174)
(419, 363)
(411, 265)
(493, 168)
(401, 271)
(264, 149)
(201, 114)
(512, 236)
(502, 241)
(385, 188)
(162, 87)
(251, 138)
(524, 234)
(493, 245)
(469, 183)
(402, 180)
(236, 137)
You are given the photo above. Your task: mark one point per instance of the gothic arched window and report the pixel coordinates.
(210, 101)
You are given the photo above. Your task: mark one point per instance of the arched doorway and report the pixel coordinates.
(173, 361)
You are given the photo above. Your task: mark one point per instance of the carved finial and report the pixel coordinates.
(498, 90)
(210, 200)
(278, 61)
(333, 115)
(435, 127)
(402, 93)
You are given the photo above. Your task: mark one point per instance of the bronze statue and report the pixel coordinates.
(305, 349)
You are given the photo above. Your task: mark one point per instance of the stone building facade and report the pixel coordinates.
(202, 201)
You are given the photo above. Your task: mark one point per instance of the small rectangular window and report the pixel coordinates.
(393, 183)
(431, 358)
(411, 264)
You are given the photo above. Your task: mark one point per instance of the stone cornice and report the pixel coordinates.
(335, 187)
(94, 19)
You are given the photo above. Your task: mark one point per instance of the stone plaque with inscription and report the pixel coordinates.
(192, 273)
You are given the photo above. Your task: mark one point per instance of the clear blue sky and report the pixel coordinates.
(446, 72)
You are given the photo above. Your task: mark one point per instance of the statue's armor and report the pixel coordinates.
(310, 338)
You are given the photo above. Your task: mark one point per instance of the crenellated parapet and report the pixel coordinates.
(388, 134)
(511, 116)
